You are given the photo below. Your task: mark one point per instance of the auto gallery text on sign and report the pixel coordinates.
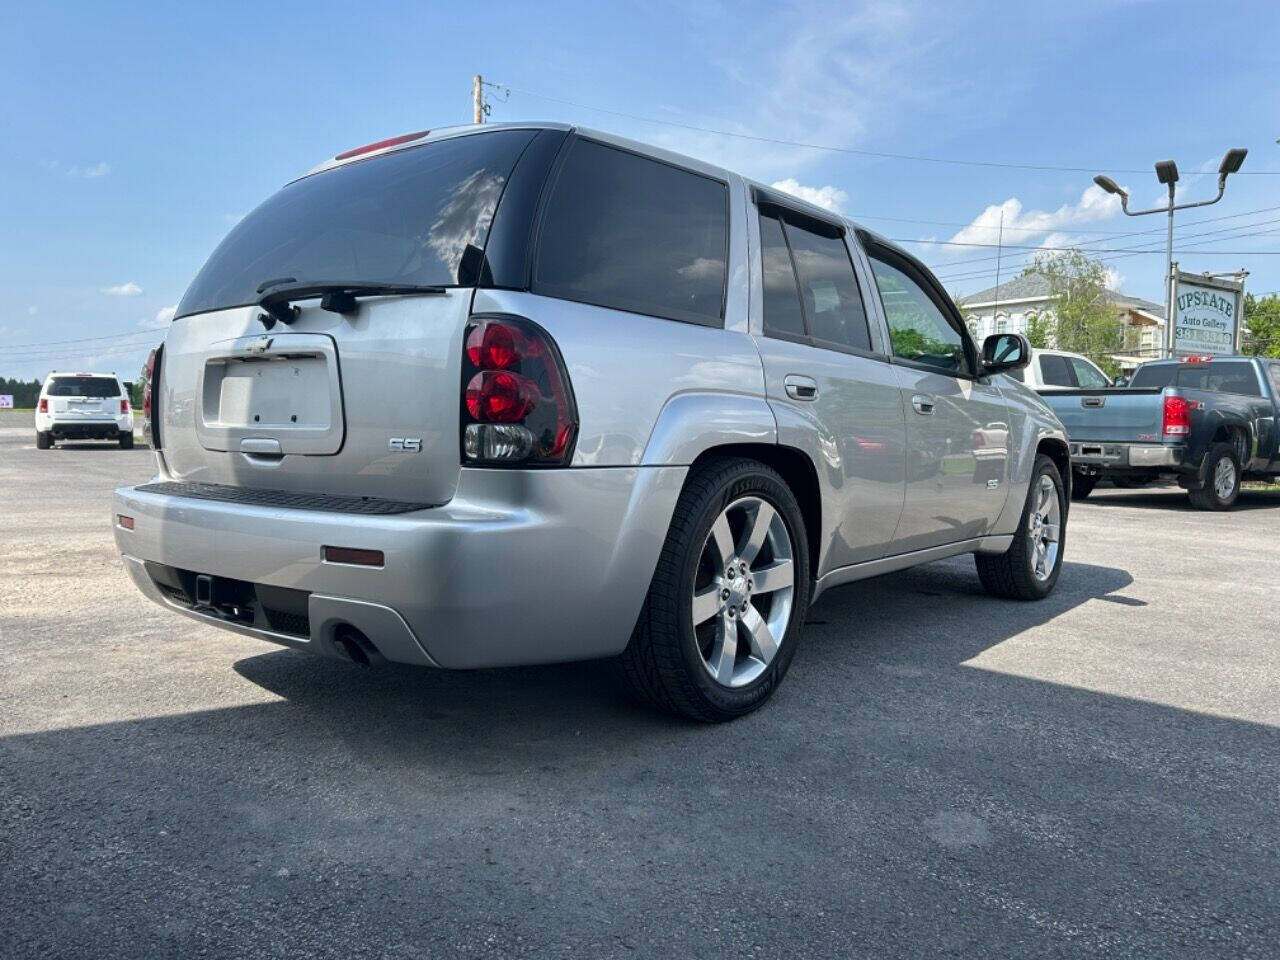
(1206, 314)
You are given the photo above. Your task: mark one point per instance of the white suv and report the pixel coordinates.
(83, 406)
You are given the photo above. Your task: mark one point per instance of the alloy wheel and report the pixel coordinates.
(743, 591)
(1224, 478)
(1044, 528)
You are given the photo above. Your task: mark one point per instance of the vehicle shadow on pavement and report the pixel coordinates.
(894, 799)
(1175, 499)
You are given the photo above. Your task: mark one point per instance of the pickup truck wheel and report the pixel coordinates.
(724, 611)
(1221, 479)
(1082, 485)
(44, 439)
(1029, 569)
(126, 440)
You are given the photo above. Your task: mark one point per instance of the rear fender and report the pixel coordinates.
(692, 423)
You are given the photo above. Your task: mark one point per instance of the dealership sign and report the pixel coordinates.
(6, 401)
(1206, 314)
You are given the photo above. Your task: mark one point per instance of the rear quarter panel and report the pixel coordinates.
(627, 369)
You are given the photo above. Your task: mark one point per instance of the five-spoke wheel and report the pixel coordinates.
(743, 592)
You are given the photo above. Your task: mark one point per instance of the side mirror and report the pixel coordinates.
(1002, 352)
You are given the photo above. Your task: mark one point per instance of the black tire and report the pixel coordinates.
(44, 439)
(1082, 486)
(1208, 497)
(126, 440)
(1010, 574)
(663, 664)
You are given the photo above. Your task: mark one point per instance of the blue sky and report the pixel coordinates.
(135, 134)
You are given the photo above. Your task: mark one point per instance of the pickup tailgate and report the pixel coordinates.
(1109, 416)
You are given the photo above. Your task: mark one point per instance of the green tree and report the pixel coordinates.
(1262, 320)
(1085, 320)
(1039, 329)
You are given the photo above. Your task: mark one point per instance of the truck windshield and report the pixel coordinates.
(402, 217)
(1217, 376)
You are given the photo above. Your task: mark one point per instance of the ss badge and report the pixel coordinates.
(405, 444)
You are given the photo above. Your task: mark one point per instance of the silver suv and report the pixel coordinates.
(528, 393)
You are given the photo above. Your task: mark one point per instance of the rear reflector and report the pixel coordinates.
(361, 558)
(382, 144)
(125, 522)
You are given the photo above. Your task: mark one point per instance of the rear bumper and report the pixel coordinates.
(1125, 456)
(86, 429)
(520, 567)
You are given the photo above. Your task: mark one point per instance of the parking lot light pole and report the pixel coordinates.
(1167, 173)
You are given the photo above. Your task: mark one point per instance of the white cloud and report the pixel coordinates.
(231, 219)
(834, 79)
(129, 289)
(828, 197)
(1115, 279)
(99, 169)
(32, 310)
(1020, 225)
(90, 172)
(163, 317)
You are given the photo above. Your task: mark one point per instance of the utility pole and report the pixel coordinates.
(995, 307)
(477, 98)
(1167, 173)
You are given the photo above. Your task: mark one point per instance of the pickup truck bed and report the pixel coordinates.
(1195, 413)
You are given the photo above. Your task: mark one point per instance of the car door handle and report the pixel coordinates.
(801, 388)
(923, 404)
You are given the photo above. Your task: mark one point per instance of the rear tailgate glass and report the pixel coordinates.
(97, 387)
(402, 217)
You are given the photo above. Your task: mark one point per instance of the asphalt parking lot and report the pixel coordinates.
(941, 774)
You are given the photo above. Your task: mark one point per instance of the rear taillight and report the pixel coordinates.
(151, 395)
(517, 405)
(124, 405)
(1177, 417)
(44, 404)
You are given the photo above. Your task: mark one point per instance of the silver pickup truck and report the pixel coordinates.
(1206, 422)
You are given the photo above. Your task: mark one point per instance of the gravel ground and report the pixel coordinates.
(941, 774)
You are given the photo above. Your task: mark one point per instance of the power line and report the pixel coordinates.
(874, 154)
(1128, 253)
(105, 336)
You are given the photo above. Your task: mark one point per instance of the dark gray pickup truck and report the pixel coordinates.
(1206, 422)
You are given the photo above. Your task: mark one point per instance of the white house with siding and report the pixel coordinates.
(1009, 307)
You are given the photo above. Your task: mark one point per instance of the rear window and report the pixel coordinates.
(99, 387)
(402, 217)
(1216, 376)
(635, 234)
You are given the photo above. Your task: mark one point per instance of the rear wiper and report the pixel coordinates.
(335, 295)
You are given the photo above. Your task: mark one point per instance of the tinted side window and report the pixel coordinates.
(830, 290)
(919, 330)
(782, 313)
(1055, 372)
(1089, 376)
(635, 234)
(1274, 372)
